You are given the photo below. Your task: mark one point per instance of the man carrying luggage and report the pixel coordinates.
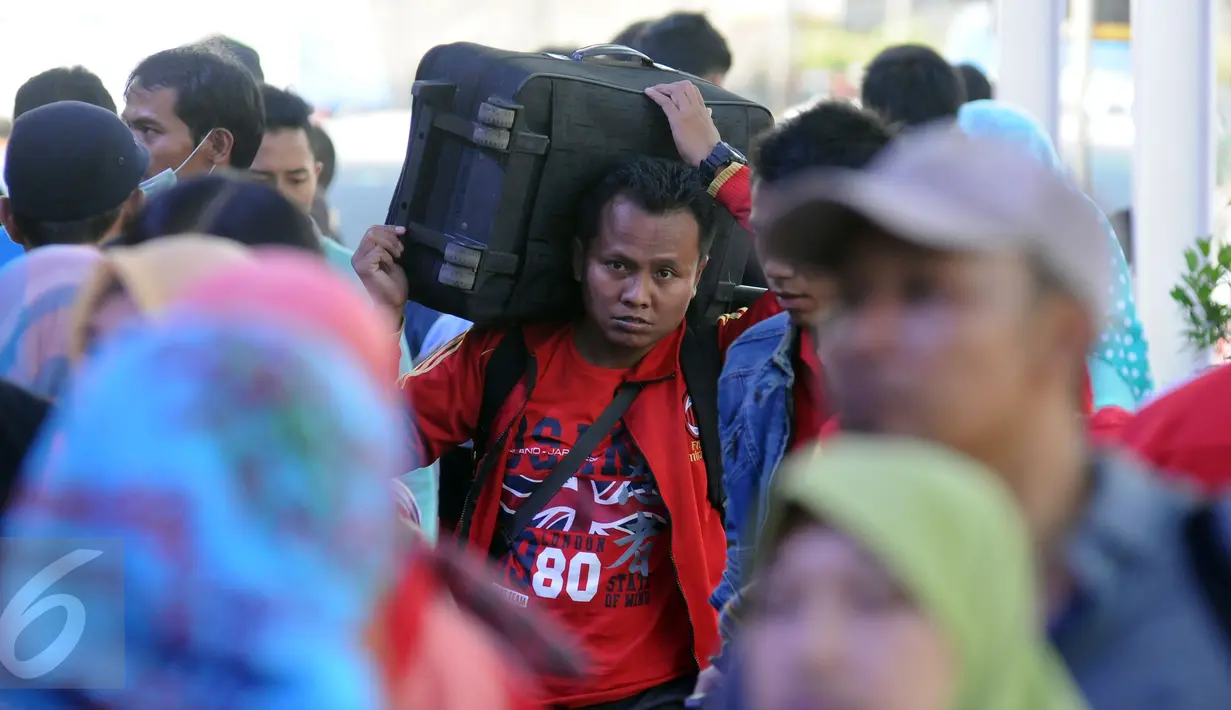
(618, 537)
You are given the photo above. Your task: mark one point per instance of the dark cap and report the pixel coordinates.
(941, 189)
(69, 161)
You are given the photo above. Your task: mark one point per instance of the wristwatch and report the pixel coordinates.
(719, 159)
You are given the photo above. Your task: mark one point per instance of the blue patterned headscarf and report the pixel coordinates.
(246, 472)
(1119, 363)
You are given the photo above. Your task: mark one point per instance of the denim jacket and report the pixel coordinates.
(1140, 633)
(754, 421)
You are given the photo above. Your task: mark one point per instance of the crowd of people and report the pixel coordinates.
(945, 480)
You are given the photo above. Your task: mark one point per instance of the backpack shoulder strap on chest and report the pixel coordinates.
(701, 363)
(509, 363)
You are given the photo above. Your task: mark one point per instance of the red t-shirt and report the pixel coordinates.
(811, 411)
(597, 558)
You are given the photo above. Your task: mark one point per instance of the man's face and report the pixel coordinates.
(942, 346)
(640, 273)
(806, 294)
(150, 114)
(285, 160)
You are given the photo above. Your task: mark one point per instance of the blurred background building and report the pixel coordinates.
(355, 60)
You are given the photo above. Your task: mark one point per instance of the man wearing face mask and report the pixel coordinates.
(195, 110)
(73, 172)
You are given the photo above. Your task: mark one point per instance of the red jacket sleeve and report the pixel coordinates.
(445, 391)
(735, 193)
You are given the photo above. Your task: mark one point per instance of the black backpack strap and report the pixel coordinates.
(508, 365)
(506, 535)
(1211, 558)
(701, 362)
(509, 362)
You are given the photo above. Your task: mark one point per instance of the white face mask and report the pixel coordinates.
(167, 179)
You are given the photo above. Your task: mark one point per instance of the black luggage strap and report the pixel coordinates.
(508, 364)
(1211, 560)
(701, 363)
(506, 535)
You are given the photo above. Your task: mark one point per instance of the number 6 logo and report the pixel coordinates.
(25, 607)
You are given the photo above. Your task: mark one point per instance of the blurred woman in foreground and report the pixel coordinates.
(245, 469)
(442, 607)
(895, 575)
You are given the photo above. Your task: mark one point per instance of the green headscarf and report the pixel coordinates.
(952, 536)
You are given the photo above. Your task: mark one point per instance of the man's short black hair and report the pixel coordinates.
(830, 134)
(242, 53)
(285, 110)
(62, 84)
(977, 85)
(912, 85)
(212, 91)
(657, 186)
(90, 230)
(686, 41)
(628, 36)
(234, 206)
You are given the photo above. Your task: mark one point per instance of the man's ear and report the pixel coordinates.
(10, 224)
(705, 260)
(317, 167)
(579, 259)
(219, 146)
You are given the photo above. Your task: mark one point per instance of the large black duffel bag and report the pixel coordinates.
(502, 144)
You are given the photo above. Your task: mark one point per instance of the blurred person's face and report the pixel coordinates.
(943, 346)
(833, 630)
(150, 114)
(285, 161)
(639, 274)
(806, 294)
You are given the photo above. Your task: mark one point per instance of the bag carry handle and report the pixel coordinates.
(506, 537)
(611, 50)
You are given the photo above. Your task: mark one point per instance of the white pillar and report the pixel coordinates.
(1173, 163)
(1075, 77)
(1028, 33)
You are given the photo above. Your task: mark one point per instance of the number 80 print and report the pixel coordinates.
(554, 572)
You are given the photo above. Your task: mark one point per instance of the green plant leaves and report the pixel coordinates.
(1208, 320)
